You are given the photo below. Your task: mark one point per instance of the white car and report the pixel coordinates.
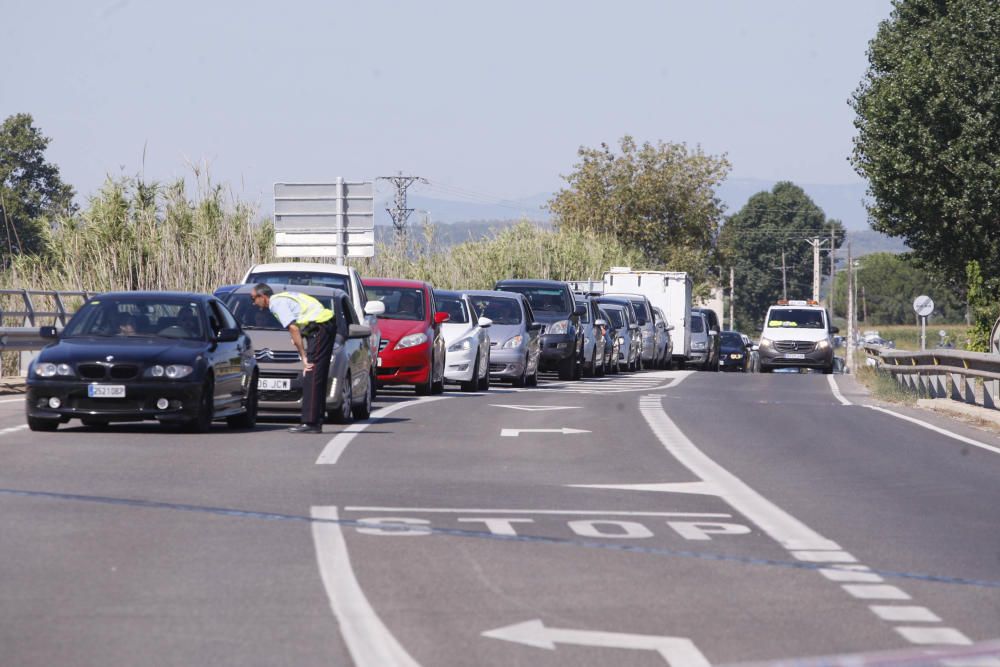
(467, 343)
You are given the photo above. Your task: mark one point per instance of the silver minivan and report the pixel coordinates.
(515, 338)
(700, 342)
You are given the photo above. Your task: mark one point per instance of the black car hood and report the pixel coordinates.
(136, 349)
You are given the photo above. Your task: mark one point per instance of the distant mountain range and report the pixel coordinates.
(841, 202)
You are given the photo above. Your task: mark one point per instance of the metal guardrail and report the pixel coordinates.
(967, 377)
(37, 308)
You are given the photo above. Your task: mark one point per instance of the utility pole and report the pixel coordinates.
(864, 306)
(833, 275)
(816, 243)
(850, 310)
(784, 278)
(732, 297)
(399, 212)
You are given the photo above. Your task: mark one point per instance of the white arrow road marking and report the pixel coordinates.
(677, 651)
(331, 453)
(514, 432)
(536, 408)
(368, 640)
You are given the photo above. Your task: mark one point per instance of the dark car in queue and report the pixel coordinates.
(556, 310)
(412, 350)
(734, 353)
(350, 386)
(173, 357)
(514, 335)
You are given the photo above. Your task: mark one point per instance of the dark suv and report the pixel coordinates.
(556, 310)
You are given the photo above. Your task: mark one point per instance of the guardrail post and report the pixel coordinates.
(956, 387)
(938, 388)
(969, 387)
(990, 389)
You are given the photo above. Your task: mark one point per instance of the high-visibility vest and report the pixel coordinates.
(310, 310)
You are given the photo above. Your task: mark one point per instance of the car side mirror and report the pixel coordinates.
(485, 322)
(834, 330)
(375, 308)
(535, 326)
(441, 318)
(600, 323)
(48, 332)
(580, 311)
(713, 332)
(361, 330)
(227, 336)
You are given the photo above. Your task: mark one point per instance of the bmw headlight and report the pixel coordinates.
(411, 340)
(698, 345)
(46, 370)
(172, 372)
(558, 328)
(513, 341)
(735, 355)
(461, 346)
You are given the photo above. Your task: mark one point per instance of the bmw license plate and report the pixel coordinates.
(106, 390)
(794, 355)
(274, 384)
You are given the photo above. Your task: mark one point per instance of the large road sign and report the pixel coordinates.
(324, 219)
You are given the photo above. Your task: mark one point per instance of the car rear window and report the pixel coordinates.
(544, 299)
(795, 318)
(401, 303)
(301, 278)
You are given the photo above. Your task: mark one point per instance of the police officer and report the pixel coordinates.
(304, 316)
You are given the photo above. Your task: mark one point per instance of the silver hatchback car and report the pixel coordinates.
(515, 340)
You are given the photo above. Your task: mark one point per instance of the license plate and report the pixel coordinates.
(794, 355)
(274, 384)
(106, 390)
(378, 363)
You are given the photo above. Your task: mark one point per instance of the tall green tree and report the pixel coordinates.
(928, 141)
(658, 198)
(752, 241)
(888, 284)
(32, 194)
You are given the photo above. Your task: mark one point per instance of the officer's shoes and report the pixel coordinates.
(305, 428)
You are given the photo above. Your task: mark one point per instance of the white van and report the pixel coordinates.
(797, 334)
(670, 291)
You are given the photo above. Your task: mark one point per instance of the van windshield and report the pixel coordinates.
(795, 318)
(697, 324)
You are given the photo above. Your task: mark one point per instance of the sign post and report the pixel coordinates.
(923, 306)
(324, 219)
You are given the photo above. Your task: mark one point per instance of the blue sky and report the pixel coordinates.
(489, 98)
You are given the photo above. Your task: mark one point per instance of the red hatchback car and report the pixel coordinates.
(412, 348)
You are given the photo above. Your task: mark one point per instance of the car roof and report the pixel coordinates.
(532, 282)
(630, 295)
(313, 290)
(317, 267)
(494, 292)
(451, 294)
(395, 282)
(153, 294)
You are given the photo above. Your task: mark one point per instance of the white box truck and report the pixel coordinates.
(670, 291)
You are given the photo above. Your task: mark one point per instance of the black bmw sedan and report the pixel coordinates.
(175, 357)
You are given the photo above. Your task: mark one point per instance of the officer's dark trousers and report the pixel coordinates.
(319, 348)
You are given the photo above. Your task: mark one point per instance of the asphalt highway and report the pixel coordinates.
(665, 517)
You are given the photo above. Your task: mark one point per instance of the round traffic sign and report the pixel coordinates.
(923, 305)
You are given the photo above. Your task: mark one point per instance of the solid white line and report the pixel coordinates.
(781, 526)
(448, 510)
(331, 453)
(13, 428)
(938, 429)
(836, 391)
(907, 614)
(368, 639)
(13, 400)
